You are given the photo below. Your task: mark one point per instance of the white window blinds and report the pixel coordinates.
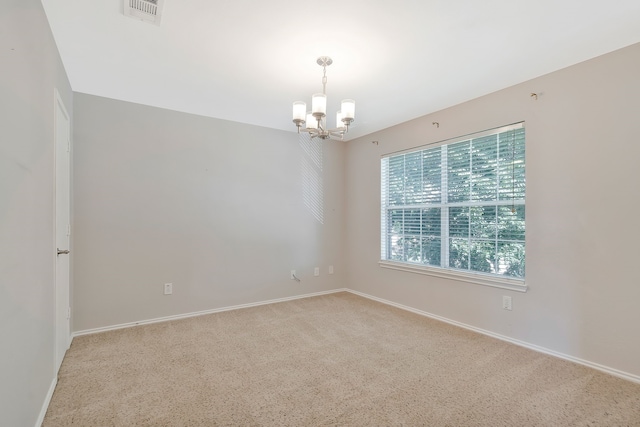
(458, 205)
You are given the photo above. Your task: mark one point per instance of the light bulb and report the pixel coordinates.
(339, 123)
(319, 104)
(312, 122)
(348, 109)
(299, 110)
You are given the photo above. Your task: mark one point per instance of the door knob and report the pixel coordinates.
(63, 252)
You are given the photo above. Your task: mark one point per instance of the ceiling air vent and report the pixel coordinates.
(146, 10)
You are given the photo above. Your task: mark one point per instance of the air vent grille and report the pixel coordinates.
(146, 10)
(150, 7)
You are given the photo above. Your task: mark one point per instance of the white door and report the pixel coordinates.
(63, 229)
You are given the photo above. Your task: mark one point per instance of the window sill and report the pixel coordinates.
(478, 279)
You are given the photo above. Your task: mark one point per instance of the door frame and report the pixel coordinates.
(58, 328)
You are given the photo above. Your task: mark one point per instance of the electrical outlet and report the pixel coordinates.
(316, 271)
(293, 275)
(168, 288)
(331, 269)
(506, 302)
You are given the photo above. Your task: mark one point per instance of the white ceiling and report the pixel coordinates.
(247, 61)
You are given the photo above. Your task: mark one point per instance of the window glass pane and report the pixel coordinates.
(483, 222)
(459, 222)
(412, 221)
(396, 248)
(431, 222)
(396, 180)
(458, 171)
(413, 178)
(459, 253)
(431, 251)
(484, 168)
(413, 249)
(512, 166)
(432, 169)
(510, 223)
(511, 259)
(396, 221)
(483, 256)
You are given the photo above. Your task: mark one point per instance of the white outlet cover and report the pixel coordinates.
(316, 271)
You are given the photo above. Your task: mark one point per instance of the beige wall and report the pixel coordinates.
(163, 197)
(582, 205)
(220, 209)
(30, 70)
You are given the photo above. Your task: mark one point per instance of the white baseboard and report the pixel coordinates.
(602, 368)
(201, 313)
(47, 400)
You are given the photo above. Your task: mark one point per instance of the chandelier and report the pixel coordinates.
(316, 123)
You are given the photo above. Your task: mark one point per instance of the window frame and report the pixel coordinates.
(469, 276)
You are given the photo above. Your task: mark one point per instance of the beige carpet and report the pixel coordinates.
(332, 360)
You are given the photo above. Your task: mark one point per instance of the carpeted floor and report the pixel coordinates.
(331, 360)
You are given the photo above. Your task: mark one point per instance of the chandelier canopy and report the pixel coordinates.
(315, 119)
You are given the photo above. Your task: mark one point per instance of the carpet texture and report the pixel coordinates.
(338, 359)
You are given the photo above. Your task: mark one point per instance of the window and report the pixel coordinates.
(458, 207)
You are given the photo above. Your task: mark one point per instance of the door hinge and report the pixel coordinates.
(68, 230)
(68, 145)
(68, 313)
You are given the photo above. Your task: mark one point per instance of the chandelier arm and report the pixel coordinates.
(340, 130)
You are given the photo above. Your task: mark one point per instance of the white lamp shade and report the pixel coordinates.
(339, 123)
(312, 123)
(348, 109)
(299, 110)
(319, 103)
